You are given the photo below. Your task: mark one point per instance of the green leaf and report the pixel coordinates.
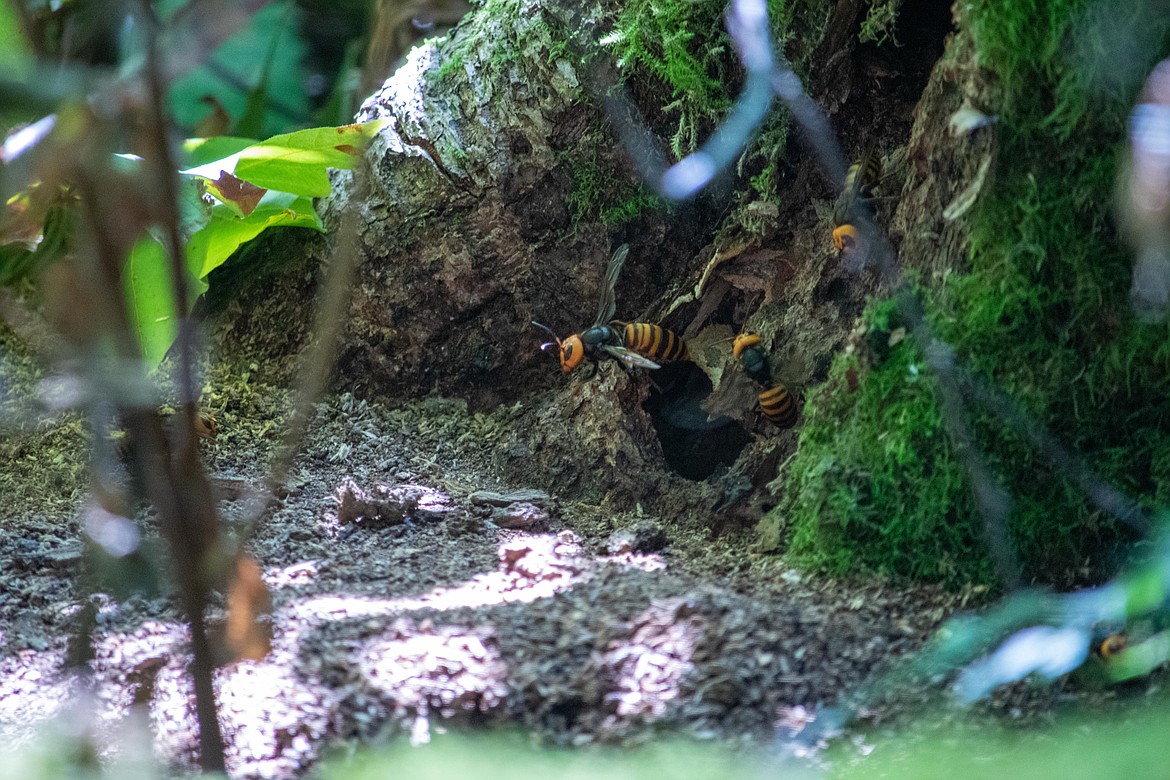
(194, 211)
(225, 232)
(203, 151)
(297, 162)
(234, 70)
(16, 260)
(251, 122)
(146, 281)
(15, 54)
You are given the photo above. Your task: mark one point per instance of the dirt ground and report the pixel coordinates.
(448, 598)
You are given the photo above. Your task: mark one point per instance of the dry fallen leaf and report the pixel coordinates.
(248, 637)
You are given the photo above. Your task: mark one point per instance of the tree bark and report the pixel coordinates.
(469, 235)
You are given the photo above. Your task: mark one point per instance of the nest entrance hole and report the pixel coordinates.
(694, 447)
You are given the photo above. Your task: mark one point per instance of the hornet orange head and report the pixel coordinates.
(1112, 645)
(571, 350)
(845, 237)
(742, 342)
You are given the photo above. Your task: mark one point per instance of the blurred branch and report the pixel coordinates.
(194, 524)
(747, 21)
(317, 366)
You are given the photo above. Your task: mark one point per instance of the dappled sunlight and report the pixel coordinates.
(271, 713)
(141, 651)
(402, 672)
(31, 686)
(423, 671)
(302, 573)
(532, 566)
(647, 668)
(648, 562)
(404, 89)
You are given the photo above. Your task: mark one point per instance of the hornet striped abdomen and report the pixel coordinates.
(777, 404)
(654, 342)
(634, 344)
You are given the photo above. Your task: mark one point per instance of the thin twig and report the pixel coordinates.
(182, 491)
(317, 366)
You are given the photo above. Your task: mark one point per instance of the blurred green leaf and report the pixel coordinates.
(1078, 748)
(234, 71)
(15, 54)
(501, 756)
(251, 122)
(21, 258)
(147, 285)
(225, 232)
(16, 260)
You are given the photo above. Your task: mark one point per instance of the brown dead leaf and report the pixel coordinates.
(230, 188)
(247, 636)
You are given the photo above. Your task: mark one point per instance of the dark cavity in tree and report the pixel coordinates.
(694, 447)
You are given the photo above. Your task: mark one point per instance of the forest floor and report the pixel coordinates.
(444, 600)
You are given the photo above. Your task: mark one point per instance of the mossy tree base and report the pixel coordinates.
(1029, 281)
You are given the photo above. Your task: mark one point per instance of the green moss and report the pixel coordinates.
(683, 46)
(507, 40)
(879, 22)
(1056, 61)
(631, 207)
(452, 64)
(601, 192)
(868, 488)
(1043, 313)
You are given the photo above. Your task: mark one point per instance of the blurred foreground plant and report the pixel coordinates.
(115, 243)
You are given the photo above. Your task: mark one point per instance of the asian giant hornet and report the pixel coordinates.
(777, 404)
(633, 343)
(856, 200)
(1111, 645)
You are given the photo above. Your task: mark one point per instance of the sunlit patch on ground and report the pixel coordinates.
(643, 561)
(421, 670)
(531, 567)
(304, 573)
(648, 668)
(275, 718)
(30, 676)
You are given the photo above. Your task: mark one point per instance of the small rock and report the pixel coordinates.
(519, 516)
(643, 536)
(355, 504)
(491, 498)
(386, 506)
